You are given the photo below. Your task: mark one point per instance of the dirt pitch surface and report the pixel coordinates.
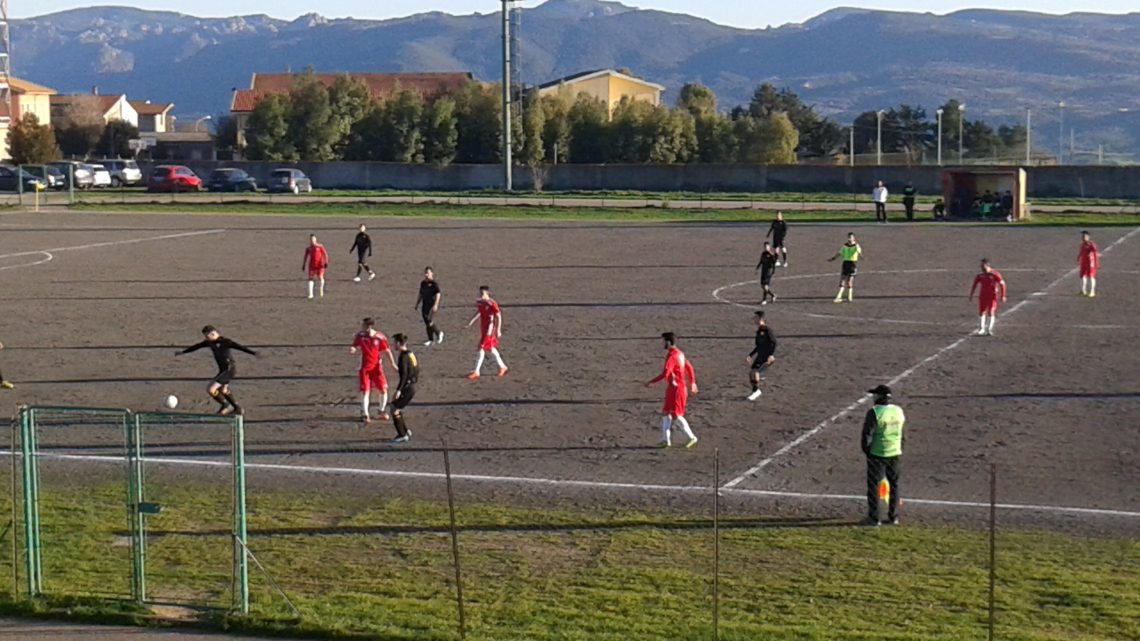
(96, 305)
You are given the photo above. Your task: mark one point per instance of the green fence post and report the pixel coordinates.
(241, 555)
(132, 426)
(29, 529)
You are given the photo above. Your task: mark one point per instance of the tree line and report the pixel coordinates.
(79, 132)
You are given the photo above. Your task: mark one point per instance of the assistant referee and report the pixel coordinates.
(882, 445)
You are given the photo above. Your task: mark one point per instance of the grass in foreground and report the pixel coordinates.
(595, 214)
(381, 568)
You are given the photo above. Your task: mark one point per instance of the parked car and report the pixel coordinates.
(81, 176)
(289, 180)
(173, 178)
(102, 177)
(11, 177)
(228, 179)
(52, 177)
(124, 172)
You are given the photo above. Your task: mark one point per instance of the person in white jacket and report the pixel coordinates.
(879, 194)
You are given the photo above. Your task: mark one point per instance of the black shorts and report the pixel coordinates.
(361, 257)
(778, 242)
(225, 376)
(759, 364)
(850, 267)
(765, 278)
(406, 396)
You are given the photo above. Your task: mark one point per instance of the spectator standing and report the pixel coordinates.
(908, 200)
(879, 194)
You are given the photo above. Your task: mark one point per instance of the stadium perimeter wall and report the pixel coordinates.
(1074, 181)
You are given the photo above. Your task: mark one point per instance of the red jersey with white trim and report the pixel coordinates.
(370, 348)
(992, 286)
(487, 310)
(677, 369)
(1089, 258)
(316, 257)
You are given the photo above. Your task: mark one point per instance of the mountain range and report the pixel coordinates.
(844, 61)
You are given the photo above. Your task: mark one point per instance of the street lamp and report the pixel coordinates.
(200, 120)
(879, 134)
(1061, 136)
(961, 119)
(939, 112)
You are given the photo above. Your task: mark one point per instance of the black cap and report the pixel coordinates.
(207, 329)
(881, 390)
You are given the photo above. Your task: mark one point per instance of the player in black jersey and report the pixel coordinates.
(767, 267)
(778, 231)
(227, 368)
(363, 248)
(428, 303)
(761, 356)
(409, 370)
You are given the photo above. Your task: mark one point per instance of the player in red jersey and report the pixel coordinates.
(1089, 261)
(992, 288)
(315, 261)
(370, 343)
(491, 323)
(677, 371)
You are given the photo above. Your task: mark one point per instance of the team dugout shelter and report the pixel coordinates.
(985, 193)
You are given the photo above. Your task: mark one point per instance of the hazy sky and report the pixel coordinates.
(740, 13)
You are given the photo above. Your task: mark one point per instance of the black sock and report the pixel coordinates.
(230, 398)
(359, 267)
(398, 421)
(755, 384)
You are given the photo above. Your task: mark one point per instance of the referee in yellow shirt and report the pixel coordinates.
(850, 252)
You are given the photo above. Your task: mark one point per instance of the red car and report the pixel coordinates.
(173, 178)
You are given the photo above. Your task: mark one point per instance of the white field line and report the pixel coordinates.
(110, 243)
(603, 485)
(31, 264)
(902, 376)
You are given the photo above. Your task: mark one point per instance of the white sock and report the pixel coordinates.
(479, 362)
(680, 420)
(839, 296)
(851, 293)
(1092, 285)
(322, 287)
(993, 317)
(310, 289)
(666, 423)
(1084, 284)
(983, 323)
(498, 359)
(364, 403)
(383, 401)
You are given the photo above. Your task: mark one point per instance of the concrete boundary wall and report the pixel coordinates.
(1075, 181)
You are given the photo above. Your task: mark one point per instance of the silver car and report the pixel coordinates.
(289, 181)
(101, 175)
(124, 172)
(81, 176)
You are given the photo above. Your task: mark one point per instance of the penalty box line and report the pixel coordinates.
(570, 483)
(819, 427)
(109, 243)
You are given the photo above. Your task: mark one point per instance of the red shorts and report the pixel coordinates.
(1088, 271)
(675, 400)
(317, 274)
(987, 305)
(373, 379)
(489, 342)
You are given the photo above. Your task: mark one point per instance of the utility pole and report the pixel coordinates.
(852, 145)
(507, 161)
(961, 119)
(939, 112)
(1061, 136)
(879, 133)
(1028, 135)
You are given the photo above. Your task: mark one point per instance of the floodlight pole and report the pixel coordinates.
(961, 120)
(1028, 135)
(1061, 136)
(939, 112)
(879, 137)
(507, 179)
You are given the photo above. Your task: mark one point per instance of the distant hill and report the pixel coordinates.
(845, 61)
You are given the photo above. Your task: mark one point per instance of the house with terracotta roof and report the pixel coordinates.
(27, 98)
(154, 117)
(109, 107)
(607, 85)
(380, 86)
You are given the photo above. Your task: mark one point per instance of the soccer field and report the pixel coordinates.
(97, 304)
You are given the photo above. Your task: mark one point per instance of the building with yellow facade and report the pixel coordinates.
(27, 98)
(607, 85)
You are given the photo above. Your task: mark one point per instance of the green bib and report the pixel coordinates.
(887, 439)
(850, 253)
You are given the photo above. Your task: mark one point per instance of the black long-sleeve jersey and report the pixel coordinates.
(778, 229)
(765, 344)
(222, 349)
(429, 289)
(362, 244)
(409, 368)
(767, 262)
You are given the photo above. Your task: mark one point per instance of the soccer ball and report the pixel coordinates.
(171, 401)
